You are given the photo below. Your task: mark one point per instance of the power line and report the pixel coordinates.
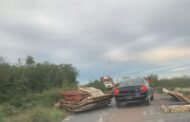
(160, 70)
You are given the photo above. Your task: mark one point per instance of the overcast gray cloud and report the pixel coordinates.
(99, 36)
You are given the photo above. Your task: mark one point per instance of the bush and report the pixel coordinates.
(182, 82)
(35, 107)
(45, 98)
(2, 116)
(19, 80)
(28, 91)
(69, 86)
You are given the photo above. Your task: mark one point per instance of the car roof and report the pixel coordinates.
(133, 79)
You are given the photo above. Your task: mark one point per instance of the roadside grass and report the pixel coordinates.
(33, 107)
(38, 114)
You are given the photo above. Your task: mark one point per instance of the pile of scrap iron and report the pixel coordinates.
(84, 98)
(185, 107)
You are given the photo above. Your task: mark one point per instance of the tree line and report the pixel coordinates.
(31, 77)
(169, 83)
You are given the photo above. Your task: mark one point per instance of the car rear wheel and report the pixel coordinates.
(148, 101)
(152, 97)
(118, 104)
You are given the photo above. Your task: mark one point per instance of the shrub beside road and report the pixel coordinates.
(28, 90)
(170, 83)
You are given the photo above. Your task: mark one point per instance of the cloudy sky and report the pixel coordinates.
(100, 37)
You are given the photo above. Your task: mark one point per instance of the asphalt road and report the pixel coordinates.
(132, 113)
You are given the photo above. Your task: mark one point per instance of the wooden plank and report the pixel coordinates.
(176, 95)
(175, 108)
(85, 102)
(83, 99)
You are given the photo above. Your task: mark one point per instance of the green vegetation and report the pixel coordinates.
(37, 114)
(169, 83)
(29, 90)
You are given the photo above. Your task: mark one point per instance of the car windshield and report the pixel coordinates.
(132, 82)
(107, 82)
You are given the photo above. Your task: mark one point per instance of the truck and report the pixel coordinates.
(107, 81)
